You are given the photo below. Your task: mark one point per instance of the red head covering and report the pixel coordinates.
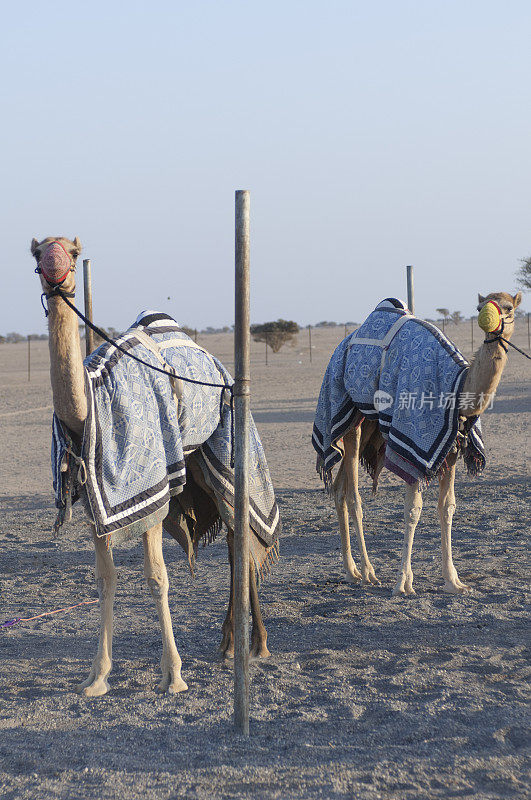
(55, 263)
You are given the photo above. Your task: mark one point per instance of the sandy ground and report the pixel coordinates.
(365, 696)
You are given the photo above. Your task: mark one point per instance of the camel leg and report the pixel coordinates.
(227, 640)
(157, 580)
(446, 509)
(96, 684)
(352, 443)
(339, 489)
(259, 633)
(412, 511)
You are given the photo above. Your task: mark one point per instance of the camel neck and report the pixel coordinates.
(66, 365)
(483, 377)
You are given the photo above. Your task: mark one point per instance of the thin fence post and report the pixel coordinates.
(310, 339)
(29, 357)
(472, 331)
(345, 330)
(195, 336)
(528, 333)
(266, 346)
(87, 286)
(242, 391)
(410, 295)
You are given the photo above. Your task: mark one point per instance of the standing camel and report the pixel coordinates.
(197, 504)
(366, 412)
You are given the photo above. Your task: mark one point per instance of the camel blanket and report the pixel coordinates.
(137, 434)
(405, 373)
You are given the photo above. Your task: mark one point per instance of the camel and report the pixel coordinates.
(70, 405)
(363, 441)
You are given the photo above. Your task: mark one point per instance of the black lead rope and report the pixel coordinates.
(58, 292)
(499, 338)
(513, 345)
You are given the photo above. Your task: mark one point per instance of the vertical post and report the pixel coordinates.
(528, 333)
(195, 336)
(410, 295)
(310, 338)
(29, 357)
(242, 391)
(472, 332)
(266, 346)
(345, 330)
(87, 285)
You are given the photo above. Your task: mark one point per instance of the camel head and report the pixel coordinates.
(506, 304)
(56, 261)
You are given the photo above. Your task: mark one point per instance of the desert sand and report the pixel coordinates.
(365, 696)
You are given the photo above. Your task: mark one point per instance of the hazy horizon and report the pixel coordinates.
(370, 137)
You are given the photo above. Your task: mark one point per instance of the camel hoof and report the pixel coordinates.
(455, 588)
(352, 572)
(96, 688)
(258, 654)
(403, 592)
(176, 686)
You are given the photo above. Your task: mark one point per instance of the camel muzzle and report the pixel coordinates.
(55, 264)
(490, 318)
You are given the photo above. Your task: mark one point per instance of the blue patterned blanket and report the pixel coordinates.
(405, 373)
(137, 436)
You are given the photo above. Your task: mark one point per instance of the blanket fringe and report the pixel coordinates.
(269, 562)
(211, 534)
(474, 464)
(325, 475)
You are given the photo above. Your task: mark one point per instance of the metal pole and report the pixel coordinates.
(310, 338)
(242, 391)
(410, 295)
(87, 285)
(29, 356)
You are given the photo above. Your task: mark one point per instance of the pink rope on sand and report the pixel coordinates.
(9, 622)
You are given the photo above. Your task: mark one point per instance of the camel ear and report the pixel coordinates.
(78, 245)
(517, 299)
(34, 245)
(481, 299)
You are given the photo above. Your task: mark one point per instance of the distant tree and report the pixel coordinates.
(275, 333)
(456, 317)
(444, 312)
(13, 337)
(326, 324)
(111, 332)
(188, 331)
(523, 276)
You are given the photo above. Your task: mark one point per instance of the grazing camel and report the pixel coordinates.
(56, 260)
(371, 435)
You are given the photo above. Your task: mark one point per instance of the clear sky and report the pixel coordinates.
(371, 135)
